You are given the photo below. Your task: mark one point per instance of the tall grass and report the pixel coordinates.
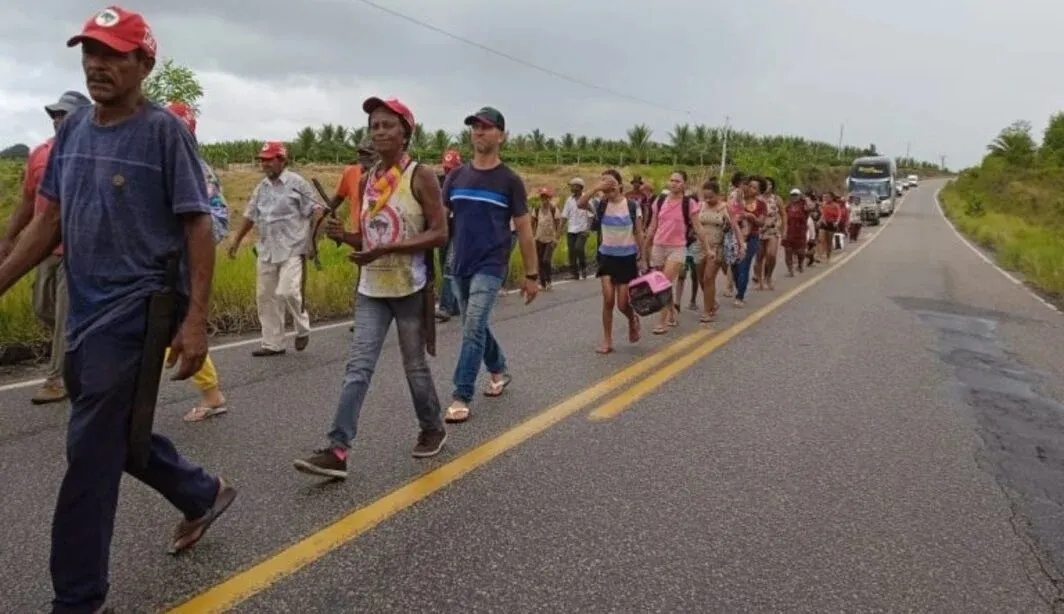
(1025, 236)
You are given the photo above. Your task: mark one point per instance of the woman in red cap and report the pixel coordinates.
(402, 222)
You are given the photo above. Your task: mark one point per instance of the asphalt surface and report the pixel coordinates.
(890, 440)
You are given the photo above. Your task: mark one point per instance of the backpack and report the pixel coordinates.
(216, 200)
(686, 206)
(600, 210)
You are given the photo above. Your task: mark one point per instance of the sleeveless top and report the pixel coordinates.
(393, 275)
(772, 225)
(714, 222)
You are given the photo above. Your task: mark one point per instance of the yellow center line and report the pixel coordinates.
(245, 584)
(253, 580)
(629, 396)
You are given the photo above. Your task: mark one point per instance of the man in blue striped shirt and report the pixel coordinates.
(485, 196)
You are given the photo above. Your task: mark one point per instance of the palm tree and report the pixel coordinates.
(419, 140)
(539, 140)
(639, 140)
(305, 141)
(441, 141)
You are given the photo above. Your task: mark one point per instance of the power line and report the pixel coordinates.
(525, 63)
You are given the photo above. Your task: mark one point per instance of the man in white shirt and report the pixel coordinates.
(578, 226)
(283, 209)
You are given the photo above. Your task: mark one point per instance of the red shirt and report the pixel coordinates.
(35, 166)
(830, 212)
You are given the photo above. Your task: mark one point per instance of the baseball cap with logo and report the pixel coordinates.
(452, 159)
(489, 115)
(373, 103)
(67, 103)
(185, 114)
(120, 29)
(273, 149)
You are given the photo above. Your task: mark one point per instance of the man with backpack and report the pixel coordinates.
(212, 401)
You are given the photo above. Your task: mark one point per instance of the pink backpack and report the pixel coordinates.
(650, 293)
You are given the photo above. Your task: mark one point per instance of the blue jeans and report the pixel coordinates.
(448, 301)
(373, 318)
(101, 375)
(476, 298)
(742, 268)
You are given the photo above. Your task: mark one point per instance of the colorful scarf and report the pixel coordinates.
(381, 189)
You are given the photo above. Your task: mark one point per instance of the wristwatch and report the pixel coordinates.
(532, 277)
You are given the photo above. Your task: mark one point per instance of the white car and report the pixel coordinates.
(912, 180)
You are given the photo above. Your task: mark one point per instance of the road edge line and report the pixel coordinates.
(988, 259)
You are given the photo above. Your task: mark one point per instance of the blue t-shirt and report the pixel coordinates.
(121, 190)
(483, 202)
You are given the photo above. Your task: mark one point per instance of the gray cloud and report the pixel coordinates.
(944, 76)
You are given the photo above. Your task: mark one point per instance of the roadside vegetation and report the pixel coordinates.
(540, 159)
(1013, 203)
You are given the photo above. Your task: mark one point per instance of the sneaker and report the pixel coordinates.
(327, 462)
(429, 443)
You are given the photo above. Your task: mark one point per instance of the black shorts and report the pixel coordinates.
(620, 269)
(829, 226)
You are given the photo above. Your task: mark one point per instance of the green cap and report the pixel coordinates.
(490, 115)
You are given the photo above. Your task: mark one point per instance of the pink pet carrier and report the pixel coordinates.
(650, 293)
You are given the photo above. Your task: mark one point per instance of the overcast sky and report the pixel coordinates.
(943, 75)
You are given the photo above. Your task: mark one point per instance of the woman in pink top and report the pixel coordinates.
(669, 234)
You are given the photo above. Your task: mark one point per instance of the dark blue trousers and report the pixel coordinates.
(100, 376)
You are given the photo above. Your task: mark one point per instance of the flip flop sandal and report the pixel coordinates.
(202, 412)
(660, 330)
(604, 349)
(189, 532)
(705, 319)
(495, 388)
(456, 413)
(674, 324)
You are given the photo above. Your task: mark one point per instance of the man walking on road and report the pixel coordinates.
(284, 209)
(485, 197)
(578, 225)
(402, 221)
(122, 151)
(49, 289)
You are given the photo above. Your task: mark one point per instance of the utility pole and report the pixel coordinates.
(942, 159)
(842, 130)
(908, 147)
(724, 147)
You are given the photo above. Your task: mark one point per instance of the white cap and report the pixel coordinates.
(796, 192)
(576, 181)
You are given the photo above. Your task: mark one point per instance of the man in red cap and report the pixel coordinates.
(448, 307)
(49, 288)
(131, 286)
(284, 209)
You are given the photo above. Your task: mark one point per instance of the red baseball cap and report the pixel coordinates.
(392, 104)
(121, 30)
(273, 149)
(185, 114)
(452, 159)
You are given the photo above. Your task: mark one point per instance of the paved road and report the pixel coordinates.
(886, 440)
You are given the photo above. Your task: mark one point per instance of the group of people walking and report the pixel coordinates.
(121, 296)
(700, 235)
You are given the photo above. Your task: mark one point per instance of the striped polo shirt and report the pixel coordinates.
(484, 202)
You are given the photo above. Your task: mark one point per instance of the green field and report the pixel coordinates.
(1013, 203)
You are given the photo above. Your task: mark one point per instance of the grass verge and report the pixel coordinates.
(1033, 249)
